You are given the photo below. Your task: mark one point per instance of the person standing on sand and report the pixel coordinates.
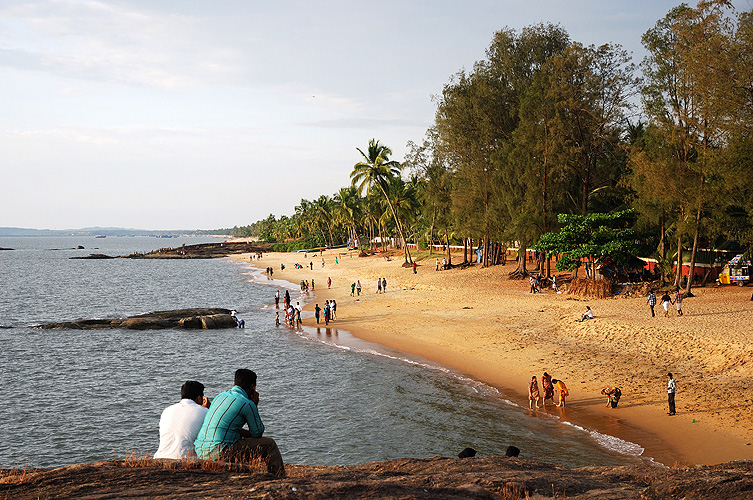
(560, 385)
(665, 300)
(317, 311)
(678, 302)
(379, 285)
(533, 393)
(329, 282)
(671, 388)
(358, 287)
(384, 285)
(437, 264)
(546, 385)
(352, 289)
(333, 306)
(651, 301)
(414, 268)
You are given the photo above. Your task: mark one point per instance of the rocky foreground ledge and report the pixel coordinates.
(191, 319)
(432, 478)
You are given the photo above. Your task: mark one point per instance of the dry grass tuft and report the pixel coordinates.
(592, 289)
(16, 475)
(139, 460)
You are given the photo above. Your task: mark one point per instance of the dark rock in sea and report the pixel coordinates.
(1, 248)
(95, 256)
(190, 319)
(79, 247)
(202, 251)
(405, 478)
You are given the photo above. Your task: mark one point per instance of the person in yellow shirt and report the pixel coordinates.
(562, 388)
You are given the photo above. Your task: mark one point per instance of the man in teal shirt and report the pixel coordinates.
(222, 436)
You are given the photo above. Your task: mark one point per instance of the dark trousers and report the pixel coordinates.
(248, 450)
(652, 312)
(671, 401)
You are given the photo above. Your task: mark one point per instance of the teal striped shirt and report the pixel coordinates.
(229, 411)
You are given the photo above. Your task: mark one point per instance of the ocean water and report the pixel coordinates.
(327, 398)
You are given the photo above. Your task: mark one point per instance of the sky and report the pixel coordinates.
(188, 114)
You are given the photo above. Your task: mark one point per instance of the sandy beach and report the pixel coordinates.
(480, 323)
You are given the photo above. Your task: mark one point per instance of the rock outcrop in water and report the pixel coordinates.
(202, 251)
(190, 319)
(498, 478)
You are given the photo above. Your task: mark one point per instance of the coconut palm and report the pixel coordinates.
(373, 173)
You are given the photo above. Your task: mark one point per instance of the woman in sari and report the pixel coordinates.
(546, 384)
(560, 385)
(533, 393)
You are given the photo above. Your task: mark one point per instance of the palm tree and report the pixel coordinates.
(348, 210)
(374, 172)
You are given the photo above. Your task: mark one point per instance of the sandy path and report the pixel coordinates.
(480, 323)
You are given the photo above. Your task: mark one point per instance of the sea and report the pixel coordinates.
(327, 398)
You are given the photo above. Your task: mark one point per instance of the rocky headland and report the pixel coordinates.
(430, 478)
(198, 251)
(191, 319)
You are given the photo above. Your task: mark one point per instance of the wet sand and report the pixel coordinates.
(480, 323)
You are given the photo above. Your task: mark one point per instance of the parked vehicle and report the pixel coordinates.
(736, 271)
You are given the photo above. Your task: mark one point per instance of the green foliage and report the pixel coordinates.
(594, 237)
(292, 246)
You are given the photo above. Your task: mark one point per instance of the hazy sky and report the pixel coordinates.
(192, 114)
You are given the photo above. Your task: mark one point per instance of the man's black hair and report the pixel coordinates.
(191, 390)
(512, 451)
(245, 378)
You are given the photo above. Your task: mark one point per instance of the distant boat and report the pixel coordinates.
(101, 236)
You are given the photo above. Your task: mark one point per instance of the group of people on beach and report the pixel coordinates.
(330, 311)
(381, 285)
(227, 428)
(548, 385)
(666, 300)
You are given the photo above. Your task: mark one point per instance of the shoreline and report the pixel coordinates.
(453, 318)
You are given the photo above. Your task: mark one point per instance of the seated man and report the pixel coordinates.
(180, 423)
(589, 314)
(222, 436)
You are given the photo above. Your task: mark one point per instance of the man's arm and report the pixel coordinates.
(251, 415)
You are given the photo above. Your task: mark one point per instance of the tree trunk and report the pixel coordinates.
(521, 271)
(691, 273)
(406, 252)
(431, 233)
(449, 255)
(486, 251)
(662, 241)
(678, 274)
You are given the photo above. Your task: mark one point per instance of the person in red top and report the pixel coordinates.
(678, 302)
(414, 268)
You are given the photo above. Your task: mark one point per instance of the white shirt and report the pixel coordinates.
(178, 427)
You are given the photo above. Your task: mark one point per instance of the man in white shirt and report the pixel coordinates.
(180, 423)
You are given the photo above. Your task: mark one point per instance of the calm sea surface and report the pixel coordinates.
(328, 399)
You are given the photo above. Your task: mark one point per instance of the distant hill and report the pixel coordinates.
(95, 231)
